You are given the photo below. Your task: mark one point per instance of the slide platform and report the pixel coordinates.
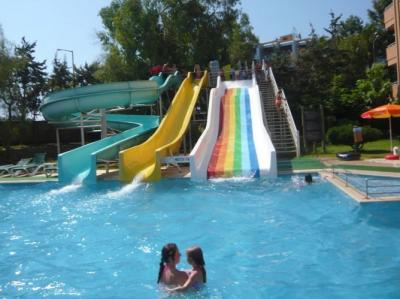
(144, 160)
(80, 163)
(235, 142)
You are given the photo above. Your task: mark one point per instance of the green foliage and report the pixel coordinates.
(114, 67)
(28, 80)
(87, 74)
(351, 26)
(379, 36)
(7, 64)
(374, 90)
(376, 13)
(343, 134)
(371, 134)
(242, 40)
(61, 78)
(141, 33)
(338, 71)
(24, 82)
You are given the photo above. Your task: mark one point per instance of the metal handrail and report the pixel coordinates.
(261, 99)
(367, 184)
(289, 116)
(345, 172)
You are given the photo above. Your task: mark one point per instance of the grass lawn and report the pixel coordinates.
(375, 149)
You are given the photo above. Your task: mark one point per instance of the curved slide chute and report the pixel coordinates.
(64, 105)
(235, 142)
(145, 159)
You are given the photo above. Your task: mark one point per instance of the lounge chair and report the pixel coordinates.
(6, 169)
(37, 164)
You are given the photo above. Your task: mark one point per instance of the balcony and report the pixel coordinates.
(389, 17)
(391, 54)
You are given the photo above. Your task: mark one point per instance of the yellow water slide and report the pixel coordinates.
(145, 159)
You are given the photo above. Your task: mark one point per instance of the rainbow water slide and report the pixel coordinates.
(62, 107)
(235, 142)
(145, 159)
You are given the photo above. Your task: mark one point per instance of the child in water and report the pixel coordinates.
(168, 274)
(197, 276)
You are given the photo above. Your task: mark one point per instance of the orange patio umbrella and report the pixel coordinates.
(384, 111)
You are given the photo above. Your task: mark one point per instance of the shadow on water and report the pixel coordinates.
(381, 214)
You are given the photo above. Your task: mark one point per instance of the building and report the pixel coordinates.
(392, 24)
(290, 43)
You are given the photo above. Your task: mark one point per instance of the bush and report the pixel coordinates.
(371, 134)
(344, 134)
(341, 134)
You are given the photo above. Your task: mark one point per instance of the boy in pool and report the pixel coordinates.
(168, 274)
(308, 178)
(197, 276)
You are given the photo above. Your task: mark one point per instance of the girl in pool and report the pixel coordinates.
(168, 274)
(197, 276)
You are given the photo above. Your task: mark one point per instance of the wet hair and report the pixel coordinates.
(308, 178)
(196, 254)
(167, 255)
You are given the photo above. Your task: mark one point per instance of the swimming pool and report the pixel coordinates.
(261, 239)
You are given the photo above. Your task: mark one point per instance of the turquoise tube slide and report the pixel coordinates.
(80, 163)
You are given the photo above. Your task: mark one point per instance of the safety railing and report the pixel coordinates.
(371, 187)
(254, 75)
(345, 172)
(293, 129)
(379, 188)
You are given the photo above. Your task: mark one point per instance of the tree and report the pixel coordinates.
(141, 33)
(29, 80)
(334, 26)
(87, 74)
(352, 25)
(61, 77)
(114, 67)
(131, 37)
(376, 13)
(243, 41)
(380, 38)
(7, 64)
(375, 89)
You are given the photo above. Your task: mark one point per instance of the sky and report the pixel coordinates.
(73, 24)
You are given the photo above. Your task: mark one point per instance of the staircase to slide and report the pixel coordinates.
(283, 132)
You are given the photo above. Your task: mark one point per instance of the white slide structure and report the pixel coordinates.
(235, 142)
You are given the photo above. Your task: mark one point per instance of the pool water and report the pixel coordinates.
(261, 239)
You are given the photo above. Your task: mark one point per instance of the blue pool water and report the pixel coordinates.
(261, 239)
